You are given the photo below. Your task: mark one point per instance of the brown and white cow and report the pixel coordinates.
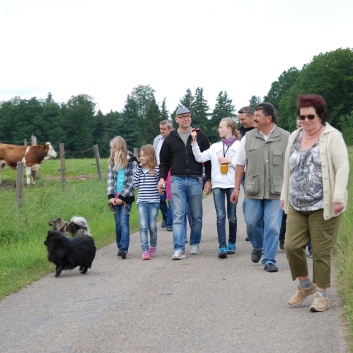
(31, 156)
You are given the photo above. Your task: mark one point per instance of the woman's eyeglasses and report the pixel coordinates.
(310, 117)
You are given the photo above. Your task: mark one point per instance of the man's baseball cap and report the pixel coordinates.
(182, 110)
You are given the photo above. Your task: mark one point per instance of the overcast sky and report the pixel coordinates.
(105, 48)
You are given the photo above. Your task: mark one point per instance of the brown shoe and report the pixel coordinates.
(301, 294)
(319, 304)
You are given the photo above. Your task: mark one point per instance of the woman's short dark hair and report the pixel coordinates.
(313, 100)
(268, 109)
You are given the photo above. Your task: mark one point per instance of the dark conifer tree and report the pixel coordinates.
(129, 128)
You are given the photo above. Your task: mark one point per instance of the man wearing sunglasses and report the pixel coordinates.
(262, 152)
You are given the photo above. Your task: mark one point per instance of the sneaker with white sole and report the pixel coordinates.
(319, 304)
(178, 255)
(301, 294)
(195, 249)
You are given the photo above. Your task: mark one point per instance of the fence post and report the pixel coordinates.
(62, 167)
(35, 172)
(33, 140)
(136, 152)
(98, 161)
(19, 183)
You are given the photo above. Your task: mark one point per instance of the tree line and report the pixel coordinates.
(78, 124)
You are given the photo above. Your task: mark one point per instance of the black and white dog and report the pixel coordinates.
(68, 253)
(77, 225)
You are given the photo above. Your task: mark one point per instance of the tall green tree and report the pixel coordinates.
(200, 110)
(280, 92)
(53, 128)
(78, 117)
(346, 123)
(105, 128)
(329, 74)
(254, 101)
(129, 128)
(223, 108)
(280, 88)
(7, 116)
(164, 111)
(151, 122)
(142, 94)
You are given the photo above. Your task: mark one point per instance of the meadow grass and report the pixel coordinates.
(344, 256)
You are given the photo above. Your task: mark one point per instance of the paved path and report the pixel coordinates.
(200, 304)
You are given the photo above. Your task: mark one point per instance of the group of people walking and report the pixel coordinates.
(304, 174)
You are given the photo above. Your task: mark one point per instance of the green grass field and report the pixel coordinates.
(344, 255)
(23, 257)
(23, 230)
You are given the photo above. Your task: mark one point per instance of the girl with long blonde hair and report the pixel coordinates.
(222, 155)
(120, 188)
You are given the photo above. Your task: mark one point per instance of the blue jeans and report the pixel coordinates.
(187, 220)
(148, 213)
(169, 223)
(186, 192)
(122, 226)
(263, 225)
(219, 197)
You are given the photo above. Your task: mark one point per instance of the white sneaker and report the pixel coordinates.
(194, 249)
(178, 255)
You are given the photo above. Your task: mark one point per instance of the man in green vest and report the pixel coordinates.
(262, 153)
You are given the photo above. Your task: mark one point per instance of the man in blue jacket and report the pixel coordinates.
(186, 181)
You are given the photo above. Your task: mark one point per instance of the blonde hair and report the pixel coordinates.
(151, 161)
(118, 157)
(232, 124)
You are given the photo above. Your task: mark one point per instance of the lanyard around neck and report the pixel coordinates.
(225, 152)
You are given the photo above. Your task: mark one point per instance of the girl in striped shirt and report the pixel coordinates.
(146, 178)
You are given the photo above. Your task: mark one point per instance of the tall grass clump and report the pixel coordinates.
(344, 255)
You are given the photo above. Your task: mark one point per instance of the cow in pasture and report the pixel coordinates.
(31, 156)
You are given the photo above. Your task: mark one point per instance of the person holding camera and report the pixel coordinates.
(222, 156)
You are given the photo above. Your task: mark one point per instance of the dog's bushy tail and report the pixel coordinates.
(82, 223)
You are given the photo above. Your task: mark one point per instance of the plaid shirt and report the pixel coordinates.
(128, 190)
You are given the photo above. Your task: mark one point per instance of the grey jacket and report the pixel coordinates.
(265, 164)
